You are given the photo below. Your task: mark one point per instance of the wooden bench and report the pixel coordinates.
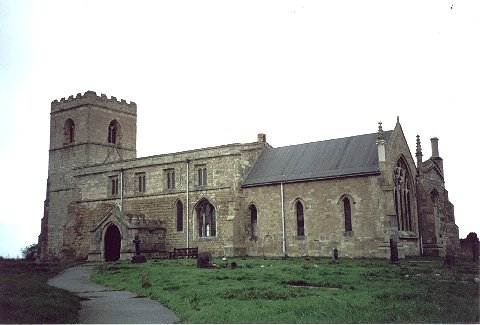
(184, 252)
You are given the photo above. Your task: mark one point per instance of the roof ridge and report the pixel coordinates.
(332, 139)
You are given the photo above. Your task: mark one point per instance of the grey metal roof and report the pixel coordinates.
(356, 155)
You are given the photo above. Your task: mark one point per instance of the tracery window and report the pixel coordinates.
(179, 208)
(403, 194)
(69, 131)
(206, 219)
(347, 212)
(300, 219)
(253, 221)
(113, 132)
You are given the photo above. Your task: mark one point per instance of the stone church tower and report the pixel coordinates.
(84, 130)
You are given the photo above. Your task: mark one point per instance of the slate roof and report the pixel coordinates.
(351, 156)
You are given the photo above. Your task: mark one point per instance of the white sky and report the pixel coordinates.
(207, 73)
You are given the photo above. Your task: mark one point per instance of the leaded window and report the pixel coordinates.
(179, 208)
(403, 196)
(300, 219)
(253, 221)
(347, 211)
(206, 219)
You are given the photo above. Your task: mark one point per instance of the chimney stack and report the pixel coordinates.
(435, 153)
(261, 138)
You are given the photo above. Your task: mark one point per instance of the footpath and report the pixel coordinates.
(102, 305)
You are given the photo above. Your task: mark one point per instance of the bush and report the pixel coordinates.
(30, 252)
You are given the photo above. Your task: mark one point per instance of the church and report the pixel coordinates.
(242, 199)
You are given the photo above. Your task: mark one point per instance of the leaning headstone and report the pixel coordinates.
(394, 252)
(204, 260)
(138, 258)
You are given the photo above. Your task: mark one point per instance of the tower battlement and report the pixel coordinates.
(91, 98)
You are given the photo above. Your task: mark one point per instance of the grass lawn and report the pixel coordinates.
(25, 296)
(304, 290)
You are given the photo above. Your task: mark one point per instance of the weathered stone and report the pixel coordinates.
(204, 260)
(84, 169)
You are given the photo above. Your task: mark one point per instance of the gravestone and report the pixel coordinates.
(138, 258)
(204, 260)
(449, 256)
(394, 251)
(335, 255)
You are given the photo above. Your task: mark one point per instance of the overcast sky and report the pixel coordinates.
(207, 73)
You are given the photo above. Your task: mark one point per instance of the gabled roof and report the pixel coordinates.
(351, 156)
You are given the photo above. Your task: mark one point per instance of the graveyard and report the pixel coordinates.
(304, 290)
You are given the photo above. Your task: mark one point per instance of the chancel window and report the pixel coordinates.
(403, 196)
(253, 221)
(300, 219)
(113, 182)
(69, 131)
(206, 219)
(179, 208)
(347, 212)
(113, 132)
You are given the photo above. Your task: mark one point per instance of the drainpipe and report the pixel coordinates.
(186, 203)
(283, 219)
(121, 189)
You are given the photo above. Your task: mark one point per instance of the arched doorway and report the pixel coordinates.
(112, 243)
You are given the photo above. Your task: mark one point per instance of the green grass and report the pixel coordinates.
(304, 290)
(25, 296)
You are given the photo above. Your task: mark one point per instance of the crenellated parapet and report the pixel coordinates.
(91, 98)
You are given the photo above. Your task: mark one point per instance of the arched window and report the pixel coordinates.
(403, 194)
(347, 212)
(253, 221)
(179, 208)
(300, 219)
(69, 131)
(206, 219)
(113, 132)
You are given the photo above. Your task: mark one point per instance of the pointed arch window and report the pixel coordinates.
(253, 221)
(403, 196)
(179, 208)
(69, 131)
(113, 132)
(347, 212)
(206, 219)
(300, 219)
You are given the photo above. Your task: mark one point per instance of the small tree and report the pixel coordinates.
(30, 252)
(471, 243)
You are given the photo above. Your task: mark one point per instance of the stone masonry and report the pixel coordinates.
(100, 196)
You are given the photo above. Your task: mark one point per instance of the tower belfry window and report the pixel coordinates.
(69, 131)
(113, 132)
